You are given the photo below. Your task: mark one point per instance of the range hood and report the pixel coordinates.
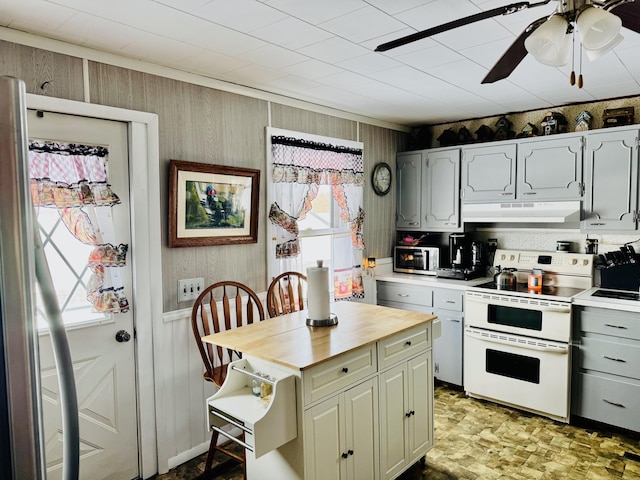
(522, 212)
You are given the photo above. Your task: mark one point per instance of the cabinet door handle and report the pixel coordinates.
(615, 359)
(408, 414)
(345, 370)
(449, 301)
(596, 224)
(350, 452)
(615, 404)
(622, 327)
(456, 320)
(345, 455)
(529, 193)
(505, 194)
(408, 343)
(403, 295)
(413, 223)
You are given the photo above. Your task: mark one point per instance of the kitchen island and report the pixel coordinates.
(349, 401)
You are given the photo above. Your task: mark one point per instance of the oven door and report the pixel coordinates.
(531, 317)
(522, 372)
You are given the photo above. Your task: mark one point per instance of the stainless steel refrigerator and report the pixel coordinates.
(22, 265)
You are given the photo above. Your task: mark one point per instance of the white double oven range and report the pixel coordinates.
(517, 340)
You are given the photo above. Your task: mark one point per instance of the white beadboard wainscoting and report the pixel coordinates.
(181, 391)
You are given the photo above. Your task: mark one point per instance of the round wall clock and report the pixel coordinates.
(381, 178)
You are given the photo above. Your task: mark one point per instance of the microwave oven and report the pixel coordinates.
(421, 260)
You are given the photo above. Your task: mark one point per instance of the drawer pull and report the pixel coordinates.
(408, 343)
(596, 224)
(615, 404)
(505, 194)
(456, 320)
(622, 327)
(449, 301)
(622, 360)
(345, 370)
(529, 193)
(413, 223)
(403, 294)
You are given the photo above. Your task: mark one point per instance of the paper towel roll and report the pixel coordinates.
(318, 292)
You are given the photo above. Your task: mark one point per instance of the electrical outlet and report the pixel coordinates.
(189, 288)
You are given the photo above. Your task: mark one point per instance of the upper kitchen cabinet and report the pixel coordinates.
(489, 173)
(611, 179)
(550, 169)
(409, 200)
(441, 190)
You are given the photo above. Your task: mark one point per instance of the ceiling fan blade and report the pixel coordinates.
(513, 56)
(630, 15)
(514, 7)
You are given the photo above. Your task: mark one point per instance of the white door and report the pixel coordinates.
(104, 368)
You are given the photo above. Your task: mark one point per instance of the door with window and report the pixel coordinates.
(102, 344)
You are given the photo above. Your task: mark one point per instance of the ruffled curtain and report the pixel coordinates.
(72, 178)
(299, 167)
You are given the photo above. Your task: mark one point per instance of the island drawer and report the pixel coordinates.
(338, 373)
(608, 400)
(403, 345)
(610, 322)
(615, 358)
(404, 293)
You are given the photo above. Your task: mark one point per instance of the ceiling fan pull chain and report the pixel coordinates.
(580, 76)
(572, 77)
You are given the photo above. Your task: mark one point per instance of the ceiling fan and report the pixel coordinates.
(549, 38)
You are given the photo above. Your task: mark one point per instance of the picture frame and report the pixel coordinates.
(212, 204)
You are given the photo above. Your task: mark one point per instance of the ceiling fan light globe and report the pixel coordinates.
(597, 53)
(550, 44)
(597, 27)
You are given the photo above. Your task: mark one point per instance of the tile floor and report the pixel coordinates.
(475, 439)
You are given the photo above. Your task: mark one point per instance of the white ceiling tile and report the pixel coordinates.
(272, 56)
(205, 62)
(183, 5)
(220, 39)
(19, 14)
(333, 50)
(397, 6)
(311, 69)
(362, 25)
(241, 15)
(291, 33)
(252, 75)
(427, 58)
(81, 29)
(316, 12)
(368, 63)
(295, 84)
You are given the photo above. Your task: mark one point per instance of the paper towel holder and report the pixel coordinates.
(323, 322)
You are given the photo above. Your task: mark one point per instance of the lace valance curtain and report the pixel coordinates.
(299, 167)
(73, 179)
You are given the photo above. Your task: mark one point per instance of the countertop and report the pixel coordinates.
(431, 280)
(288, 341)
(586, 300)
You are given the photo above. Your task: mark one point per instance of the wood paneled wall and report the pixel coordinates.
(203, 124)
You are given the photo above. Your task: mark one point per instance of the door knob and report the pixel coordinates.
(122, 336)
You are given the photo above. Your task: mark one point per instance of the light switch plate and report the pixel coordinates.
(189, 288)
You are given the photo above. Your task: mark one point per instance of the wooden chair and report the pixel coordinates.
(212, 313)
(286, 294)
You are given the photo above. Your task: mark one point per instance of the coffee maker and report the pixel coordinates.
(459, 250)
(466, 258)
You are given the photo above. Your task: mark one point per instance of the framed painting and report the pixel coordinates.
(212, 204)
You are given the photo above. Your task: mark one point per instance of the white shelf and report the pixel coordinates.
(267, 425)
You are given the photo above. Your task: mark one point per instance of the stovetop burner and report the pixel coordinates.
(523, 289)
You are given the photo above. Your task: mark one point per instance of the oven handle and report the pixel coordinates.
(564, 350)
(542, 308)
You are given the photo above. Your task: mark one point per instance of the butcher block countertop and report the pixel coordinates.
(288, 341)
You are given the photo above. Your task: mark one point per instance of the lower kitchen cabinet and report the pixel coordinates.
(447, 349)
(406, 429)
(342, 435)
(606, 366)
(403, 295)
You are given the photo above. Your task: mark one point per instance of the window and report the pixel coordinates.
(315, 207)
